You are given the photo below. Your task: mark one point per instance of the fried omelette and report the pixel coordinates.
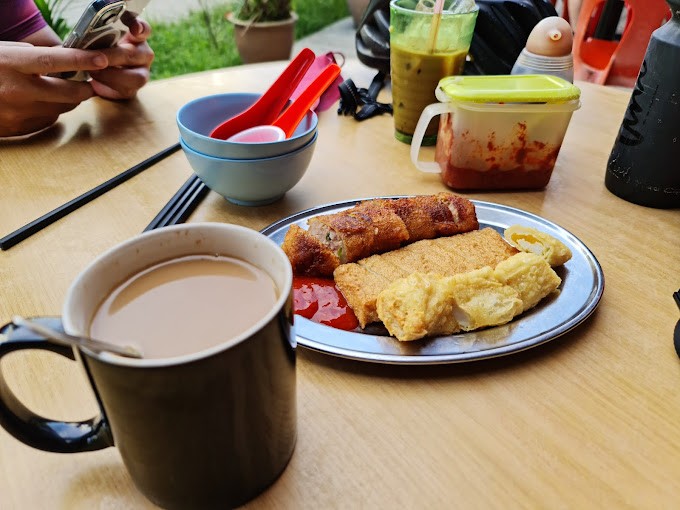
(427, 304)
(361, 282)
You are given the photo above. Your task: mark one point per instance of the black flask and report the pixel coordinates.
(644, 165)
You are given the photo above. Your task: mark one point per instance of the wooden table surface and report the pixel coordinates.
(589, 420)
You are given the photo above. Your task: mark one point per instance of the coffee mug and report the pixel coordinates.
(206, 429)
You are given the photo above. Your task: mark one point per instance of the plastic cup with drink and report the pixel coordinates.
(428, 41)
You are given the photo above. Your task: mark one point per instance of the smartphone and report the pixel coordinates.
(100, 26)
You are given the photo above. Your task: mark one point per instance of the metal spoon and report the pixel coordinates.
(59, 337)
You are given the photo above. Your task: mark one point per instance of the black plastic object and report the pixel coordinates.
(372, 40)
(643, 165)
(676, 334)
(372, 36)
(501, 32)
(361, 103)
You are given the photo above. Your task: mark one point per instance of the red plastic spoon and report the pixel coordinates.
(284, 126)
(270, 104)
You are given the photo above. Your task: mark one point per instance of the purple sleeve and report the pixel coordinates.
(19, 19)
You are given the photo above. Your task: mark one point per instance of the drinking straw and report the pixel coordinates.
(47, 219)
(434, 26)
(181, 205)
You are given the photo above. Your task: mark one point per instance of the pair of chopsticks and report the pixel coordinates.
(171, 214)
(181, 205)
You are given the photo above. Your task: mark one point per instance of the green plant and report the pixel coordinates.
(263, 10)
(187, 46)
(52, 11)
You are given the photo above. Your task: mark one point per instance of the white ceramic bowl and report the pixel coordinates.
(251, 181)
(199, 117)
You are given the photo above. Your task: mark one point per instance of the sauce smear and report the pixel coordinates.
(319, 300)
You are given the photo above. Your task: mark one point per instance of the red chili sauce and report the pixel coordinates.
(319, 300)
(487, 164)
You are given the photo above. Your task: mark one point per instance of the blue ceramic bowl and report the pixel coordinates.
(251, 181)
(199, 117)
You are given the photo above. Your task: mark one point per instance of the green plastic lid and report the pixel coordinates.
(508, 88)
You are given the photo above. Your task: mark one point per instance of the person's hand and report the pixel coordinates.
(29, 99)
(129, 64)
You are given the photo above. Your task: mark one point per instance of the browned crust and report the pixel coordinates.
(378, 226)
(307, 255)
(428, 217)
(362, 282)
(365, 230)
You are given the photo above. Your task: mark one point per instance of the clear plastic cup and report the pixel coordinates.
(423, 50)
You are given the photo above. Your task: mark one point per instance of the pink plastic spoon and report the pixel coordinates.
(284, 126)
(270, 104)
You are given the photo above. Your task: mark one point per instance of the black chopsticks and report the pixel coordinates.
(36, 225)
(181, 205)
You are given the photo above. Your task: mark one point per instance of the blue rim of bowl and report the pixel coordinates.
(225, 142)
(241, 160)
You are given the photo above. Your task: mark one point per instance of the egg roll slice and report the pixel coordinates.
(432, 216)
(531, 240)
(359, 232)
(307, 255)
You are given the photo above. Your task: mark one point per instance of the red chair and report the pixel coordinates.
(611, 62)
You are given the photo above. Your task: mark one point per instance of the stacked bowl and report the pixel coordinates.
(243, 173)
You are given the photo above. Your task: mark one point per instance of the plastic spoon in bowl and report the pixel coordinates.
(59, 337)
(284, 126)
(270, 104)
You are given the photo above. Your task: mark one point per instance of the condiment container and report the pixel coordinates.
(497, 132)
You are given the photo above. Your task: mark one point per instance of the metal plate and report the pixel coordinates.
(576, 299)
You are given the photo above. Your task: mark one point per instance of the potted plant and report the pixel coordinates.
(264, 30)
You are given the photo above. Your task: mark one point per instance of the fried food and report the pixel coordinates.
(479, 300)
(375, 226)
(363, 281)
(431, 304)
(307, 255)
(528, 239)
(530, 275)
(417, 306)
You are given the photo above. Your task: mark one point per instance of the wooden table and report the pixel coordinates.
(591, 419)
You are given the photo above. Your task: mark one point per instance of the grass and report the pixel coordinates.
(205, 40)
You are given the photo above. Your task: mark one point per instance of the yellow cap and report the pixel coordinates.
(508, 88)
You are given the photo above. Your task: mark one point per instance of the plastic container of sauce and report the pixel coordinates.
(497, 132)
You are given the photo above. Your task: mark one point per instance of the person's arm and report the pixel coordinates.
(31, 100)
(43, 37)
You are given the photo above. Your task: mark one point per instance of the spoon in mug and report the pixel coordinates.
(59, 337)
(284, 126)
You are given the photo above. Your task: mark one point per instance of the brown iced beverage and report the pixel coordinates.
(415, 75)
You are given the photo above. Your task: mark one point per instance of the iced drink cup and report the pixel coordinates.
(423, 50)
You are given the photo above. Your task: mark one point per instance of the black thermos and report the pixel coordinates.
(644, 165)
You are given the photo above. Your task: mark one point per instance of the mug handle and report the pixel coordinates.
(32, 429)
(417, 140)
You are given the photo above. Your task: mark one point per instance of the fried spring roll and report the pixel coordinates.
(428, 217)
(359, 232)
(307, 255)
(376, 226)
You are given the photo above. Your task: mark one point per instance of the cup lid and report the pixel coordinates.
(507, 88)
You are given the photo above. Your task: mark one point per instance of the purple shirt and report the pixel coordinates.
(19, 19)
